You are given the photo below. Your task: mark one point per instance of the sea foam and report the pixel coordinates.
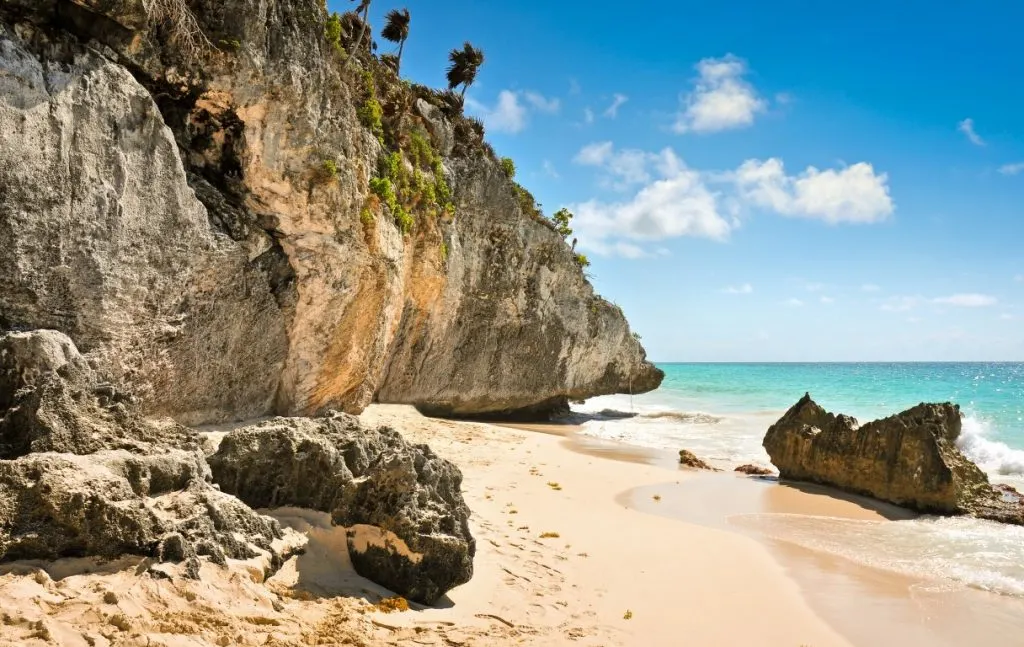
(991, 455)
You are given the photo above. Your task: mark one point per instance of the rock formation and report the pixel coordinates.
(84, 475)
(753, 470)
(186, 195)
(689, 459)
(408, 524)
(909, 459)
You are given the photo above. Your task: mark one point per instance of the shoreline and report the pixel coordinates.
(911, 609)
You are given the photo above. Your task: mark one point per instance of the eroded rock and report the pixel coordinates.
(754, 470)
(403, 506)
(689, 459)
(909, 459)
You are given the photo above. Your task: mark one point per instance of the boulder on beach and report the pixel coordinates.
(408, 526)
(754, 470)
(909, 459)
(689, 459)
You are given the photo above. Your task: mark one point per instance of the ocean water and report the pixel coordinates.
(721, 412)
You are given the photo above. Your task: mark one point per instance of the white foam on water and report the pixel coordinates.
(732, 437)
(976, 553)
(991, 455)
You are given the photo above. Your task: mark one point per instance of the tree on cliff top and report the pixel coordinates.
(364, 9)
(464, 65)
(397, 31)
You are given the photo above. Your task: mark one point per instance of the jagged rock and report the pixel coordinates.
(403, 506)
(689, 459)
(161, 207)
(440, 128)
(909, 459)
(54, 404)
(754, 470)
(113, 503)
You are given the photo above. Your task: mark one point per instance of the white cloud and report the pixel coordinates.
(746, 288)
(870, 287)
(1012, 169)
(855, 194)
(624, 168)
(550, 169)
(794, 302)
(588, 116)
(721, 99)
(901, 304)
(967, 128)
(595, 154)
(507, 116)
(967, 300)
(827, 300)
(617, 101)
(679, 203)
(541, 103)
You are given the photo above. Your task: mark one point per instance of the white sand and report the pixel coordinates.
(682, 584)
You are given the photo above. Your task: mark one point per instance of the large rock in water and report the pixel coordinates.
(408, 526)
(160, 204)
(909, 459)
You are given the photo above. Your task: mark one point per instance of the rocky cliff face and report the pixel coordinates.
(909, 459)
(162, 202)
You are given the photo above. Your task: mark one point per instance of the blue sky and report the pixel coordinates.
(785, 181)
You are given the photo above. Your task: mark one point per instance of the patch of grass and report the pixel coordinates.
(366, 216)
(582, 260)
(549, 535)
(657, 497)
(513, 511)
(391, 605)
(554, 486)
(628, 615)
(328, 171)
(444, 252)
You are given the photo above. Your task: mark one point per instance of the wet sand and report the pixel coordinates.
(869, 606)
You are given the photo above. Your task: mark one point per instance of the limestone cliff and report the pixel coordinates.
(184, 191)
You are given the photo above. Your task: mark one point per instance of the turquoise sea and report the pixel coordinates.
(721, 412)
(723, 407)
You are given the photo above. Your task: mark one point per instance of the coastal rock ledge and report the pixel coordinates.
(909, 459)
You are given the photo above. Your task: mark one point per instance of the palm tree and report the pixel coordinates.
(397, 30)
(364, 9)
(464, 64)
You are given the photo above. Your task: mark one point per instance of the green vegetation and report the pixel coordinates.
(628, 615)
(328, 171)
(549, 535)
(366, 216)
(231, 44)
(382, 188)
(371, 112)
(527, 202)
(508, 166)
(562, 218)
(636, 336)
(464, 64)
(444, 252)
(582, 260)
(332, 32)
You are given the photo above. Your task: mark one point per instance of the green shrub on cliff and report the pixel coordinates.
(383, 189)
(508, 167)
(332, 31)
(582, 260)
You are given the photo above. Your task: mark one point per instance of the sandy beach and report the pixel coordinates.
(578, 543)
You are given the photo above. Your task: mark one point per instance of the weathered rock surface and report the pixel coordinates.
(159, 204)
(403, 506)
(754, 470)
(909, 459)
(83, 474)
(689, 459)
